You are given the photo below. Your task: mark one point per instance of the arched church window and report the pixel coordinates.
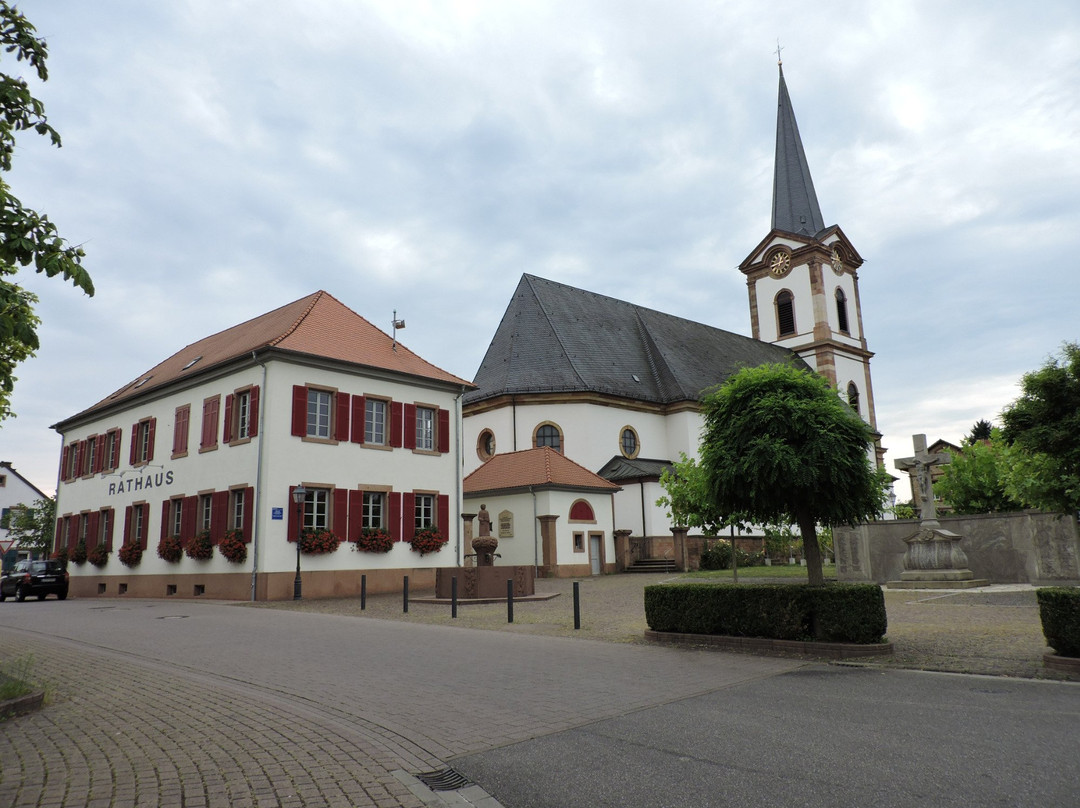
(841, 309)
(628, 442)
(853, 396)
(581, 511)
(785, 314)
(548, 434)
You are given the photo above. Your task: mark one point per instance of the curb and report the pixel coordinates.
(1062, 664)
(761, 645)
(22, 705)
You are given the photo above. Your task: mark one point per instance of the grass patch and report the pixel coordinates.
(15, 678)
(787, 572)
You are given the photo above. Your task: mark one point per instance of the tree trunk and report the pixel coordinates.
(811, 551)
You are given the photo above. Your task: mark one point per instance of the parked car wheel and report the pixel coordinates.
(3, 597)
(20, 593)
(61, 595)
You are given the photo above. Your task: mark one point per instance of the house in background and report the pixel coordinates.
(217, 437)
(15, 490)
(546, 511)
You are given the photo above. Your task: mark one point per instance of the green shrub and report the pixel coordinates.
(834, 613)
(718, 557)
(1059, 610)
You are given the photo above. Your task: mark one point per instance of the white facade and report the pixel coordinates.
(251, 477)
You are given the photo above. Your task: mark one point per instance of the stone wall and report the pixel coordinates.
(1028, 547)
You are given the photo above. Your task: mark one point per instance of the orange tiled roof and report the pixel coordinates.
(536, 467)
(317, 325)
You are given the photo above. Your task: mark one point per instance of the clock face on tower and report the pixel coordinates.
(780, 264)
(837, 264)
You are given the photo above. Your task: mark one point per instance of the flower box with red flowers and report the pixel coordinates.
(317, 542)
(427, 540)
(374, 540)
(233, 547)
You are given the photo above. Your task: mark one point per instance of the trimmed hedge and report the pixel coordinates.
(853, 613)
(1059, 611)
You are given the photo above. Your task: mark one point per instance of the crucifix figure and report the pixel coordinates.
(922, 463)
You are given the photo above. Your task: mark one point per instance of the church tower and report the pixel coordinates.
(803, 278)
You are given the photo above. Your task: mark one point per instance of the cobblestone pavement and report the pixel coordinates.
(183, 703)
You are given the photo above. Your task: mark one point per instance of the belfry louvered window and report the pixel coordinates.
(785, 314)
(841, 310)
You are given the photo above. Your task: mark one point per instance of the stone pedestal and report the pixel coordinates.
(487, 583)
(935, 560)
(623, 557)
(680, 553)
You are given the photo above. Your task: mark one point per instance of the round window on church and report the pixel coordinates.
(628, 442)
(485, 445)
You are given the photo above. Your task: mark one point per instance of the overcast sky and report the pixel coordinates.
(222, 158)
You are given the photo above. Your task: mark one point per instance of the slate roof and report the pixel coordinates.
(795, 204)
(557, 338)
(540, 468)
(318, 325)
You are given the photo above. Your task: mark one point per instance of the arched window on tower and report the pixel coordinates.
(853, 396)
(785, 314)
(841, 310)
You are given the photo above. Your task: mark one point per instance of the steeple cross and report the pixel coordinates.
(779, 61)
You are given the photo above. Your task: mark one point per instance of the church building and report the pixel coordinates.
(616, 386)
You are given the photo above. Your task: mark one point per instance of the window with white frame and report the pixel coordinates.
(242, 414)
(425, 429)
(206, 507)
(424, 511)
(320, 409)
(317, 509)
(375, 421)
(236, 509)
(374, 515)
(177, 516)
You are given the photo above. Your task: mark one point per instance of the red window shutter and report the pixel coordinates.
(299, 413)
(146, 524)
(294, 522)
(188, 517)
(341, 512)
(396, 419)
(341, 417)
(357, 419)
(127, 524)
(219, 515)
(408, 516)
(99, 454)
(63, 462)
(253, 412)
(444, 431)
(356, 515)
(92, 530)
(150, 440)
(395, 515)
(227, 429)
(443, 514)
(409, 426)
(249, 512)
(166, 520)
(209, 423)
(110, 515)
(73, 530)
(134, 442)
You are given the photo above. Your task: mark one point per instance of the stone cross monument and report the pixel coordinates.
(934, 558)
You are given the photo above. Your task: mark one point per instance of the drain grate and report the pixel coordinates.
(444, 780)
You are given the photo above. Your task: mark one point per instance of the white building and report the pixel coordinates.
(617, 386)
(215, 438)
(15, 491)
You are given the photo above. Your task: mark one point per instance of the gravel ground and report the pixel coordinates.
(994, 631)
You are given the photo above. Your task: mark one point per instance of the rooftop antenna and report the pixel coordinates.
(396, 324)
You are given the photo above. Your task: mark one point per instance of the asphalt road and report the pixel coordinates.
(204, 704)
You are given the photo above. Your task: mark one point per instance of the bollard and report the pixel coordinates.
(363, 592)
(577, 607)
(509, 600)
(453, 596)
(405, 596)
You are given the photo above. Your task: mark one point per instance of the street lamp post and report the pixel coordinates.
(299, 494)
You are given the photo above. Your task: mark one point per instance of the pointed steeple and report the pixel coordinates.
(795, 205)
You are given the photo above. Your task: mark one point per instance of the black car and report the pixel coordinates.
(39, 578)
